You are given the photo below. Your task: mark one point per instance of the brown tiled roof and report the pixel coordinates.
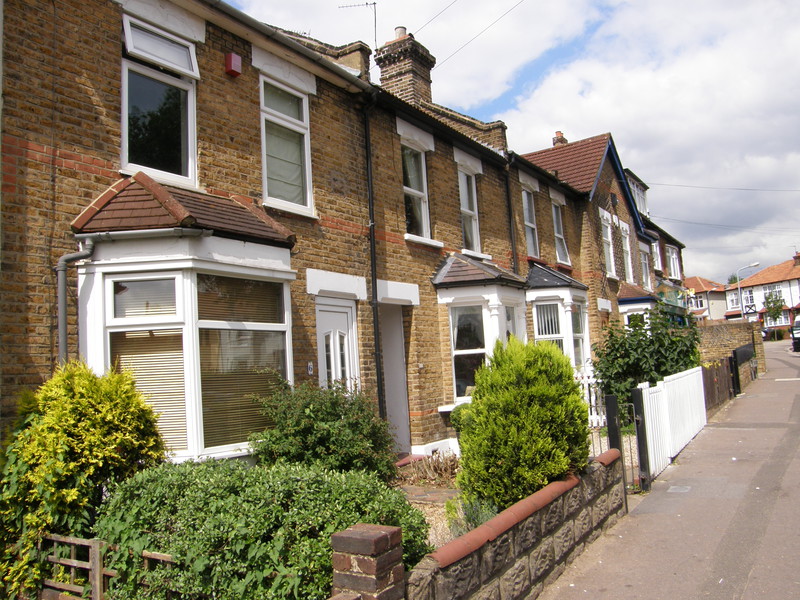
(701, 284)
(459, 270)
(629, 291)
(577, 163)
(785, 271)
(141, 203)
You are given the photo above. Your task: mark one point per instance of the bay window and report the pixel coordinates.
(200, 345)
(469, 346)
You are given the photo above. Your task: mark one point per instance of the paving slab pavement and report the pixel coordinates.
(721, 522)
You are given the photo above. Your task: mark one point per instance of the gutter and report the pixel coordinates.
(88, 241)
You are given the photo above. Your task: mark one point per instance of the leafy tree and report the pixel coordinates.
(733, 278)
(90, 431)
(773, 303)
(334, 426)
(245, 532)
(646, 350)
(527, 425)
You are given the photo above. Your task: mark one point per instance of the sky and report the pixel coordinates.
(702, 98)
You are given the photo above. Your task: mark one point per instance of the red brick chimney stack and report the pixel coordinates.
(405, 66)
(559, 140)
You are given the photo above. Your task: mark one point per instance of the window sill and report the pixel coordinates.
(418, 239)
(162, 177)
(288, 207)
(474, 254)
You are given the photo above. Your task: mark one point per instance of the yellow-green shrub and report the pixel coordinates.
(91, 431)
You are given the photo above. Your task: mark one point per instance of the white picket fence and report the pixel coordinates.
(590, 389)
(674, 412)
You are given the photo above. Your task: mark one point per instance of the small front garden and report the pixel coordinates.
(88, 462)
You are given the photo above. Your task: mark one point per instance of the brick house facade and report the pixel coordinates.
(248, 199)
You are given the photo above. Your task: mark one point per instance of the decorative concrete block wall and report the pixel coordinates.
(517, 552)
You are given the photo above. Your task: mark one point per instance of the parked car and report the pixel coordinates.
(796, 335)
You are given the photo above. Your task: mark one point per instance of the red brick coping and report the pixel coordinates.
(472, 540)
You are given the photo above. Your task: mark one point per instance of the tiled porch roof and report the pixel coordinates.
(629, 291)
(140, 203)
(459, 270)
(542, 277)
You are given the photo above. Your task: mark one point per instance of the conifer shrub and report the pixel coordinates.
(333, 426)
(245, 532)
(528, 424)
(87, 432)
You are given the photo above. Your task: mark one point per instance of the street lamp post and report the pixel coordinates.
(739, 283)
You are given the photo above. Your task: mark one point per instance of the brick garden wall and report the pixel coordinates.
(718, 339)
(511, 556)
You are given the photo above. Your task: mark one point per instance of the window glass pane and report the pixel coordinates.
(547, 321)
(285, 164)
(464, 366)
(329, 357)
(144, 298)
(511, 322)
(412, 169)
(168, 52)
(231, 299)
(578, 349)
(414, 218)
(156, 359)
(230, 365)
(468, 232)
(342, 357)
(466, 190)
(468, 327)
(157, 124)
(577, 319)
(283, 102)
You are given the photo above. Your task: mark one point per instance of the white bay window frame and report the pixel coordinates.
(497, 305)
(560, 316)
(180, 260)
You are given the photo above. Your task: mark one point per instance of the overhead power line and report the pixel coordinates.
(711, 187)
(434, 17)
(721, 226)
(480, 33)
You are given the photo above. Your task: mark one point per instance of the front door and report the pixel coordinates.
(336, 342)
(394, 369)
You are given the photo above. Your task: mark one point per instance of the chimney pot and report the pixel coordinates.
(400, 32)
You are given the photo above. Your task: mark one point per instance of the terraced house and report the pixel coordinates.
(213, 203)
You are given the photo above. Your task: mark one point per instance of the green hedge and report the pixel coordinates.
(333, 426)
(246, 532)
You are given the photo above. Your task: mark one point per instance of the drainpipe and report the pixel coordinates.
(61, 280)
(512, 234)
(373, 259)
(89, 241)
